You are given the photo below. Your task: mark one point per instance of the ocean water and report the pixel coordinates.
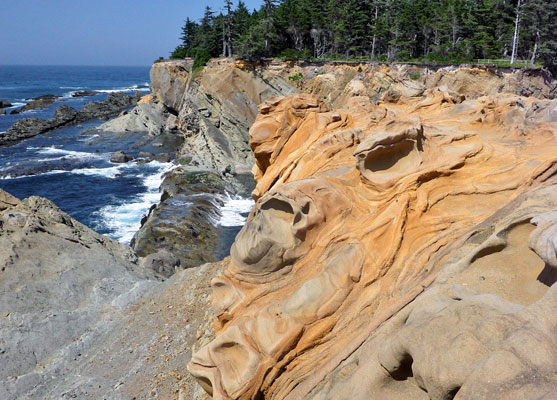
(19, 83)
(74, 170)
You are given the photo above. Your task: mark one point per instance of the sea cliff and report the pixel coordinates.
(401, 245)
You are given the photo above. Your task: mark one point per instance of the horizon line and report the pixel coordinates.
(71, 65)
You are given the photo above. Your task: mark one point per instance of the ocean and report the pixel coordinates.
(73, 170)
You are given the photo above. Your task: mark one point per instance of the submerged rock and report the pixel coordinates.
(120, 157)
(84, 93)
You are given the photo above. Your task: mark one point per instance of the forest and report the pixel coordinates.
(506, 32)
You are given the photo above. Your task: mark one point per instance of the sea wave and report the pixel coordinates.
(133, 88)
(234, 211)
(109, 172)
(67, 153)
(16, 104)
(124, 220)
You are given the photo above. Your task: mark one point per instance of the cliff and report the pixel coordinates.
(402, 245)
(402, 248)
(212, 110)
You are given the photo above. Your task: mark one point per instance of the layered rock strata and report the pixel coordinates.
(81, 316)
(365, 269)
(212, 109)
(61, 287)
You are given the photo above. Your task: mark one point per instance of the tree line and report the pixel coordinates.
(433, 31)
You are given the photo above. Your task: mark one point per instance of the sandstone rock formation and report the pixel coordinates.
(402, 246)
(213, 109)
(365, 270)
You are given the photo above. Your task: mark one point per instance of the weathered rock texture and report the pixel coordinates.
(81, 318)
(61, 285)
(365, 270)
(387, 256)
(213, 109)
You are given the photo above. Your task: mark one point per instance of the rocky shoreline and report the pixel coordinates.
(373, 263)
(66, 115)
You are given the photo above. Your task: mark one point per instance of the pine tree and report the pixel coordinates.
(227, 30)
(432, 30)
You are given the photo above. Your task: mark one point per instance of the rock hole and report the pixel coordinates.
(280, 209)
(488, 251)
(387, 157)
(404, 370)
(548, 276)
(452, 393)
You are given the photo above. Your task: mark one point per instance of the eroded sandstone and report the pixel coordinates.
(369, 216)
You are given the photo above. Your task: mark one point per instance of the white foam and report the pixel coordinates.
(15, 105)
(133, 88)
(124, 220)
(53, 151)
(234, 207)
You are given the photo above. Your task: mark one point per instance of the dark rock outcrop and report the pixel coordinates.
(5, 104)
(115, 103)
(84, 93)
(30, 127)
(39, 102)
(66, 115)
(120, 157)
(183, 223)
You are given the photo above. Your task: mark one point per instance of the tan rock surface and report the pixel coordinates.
(358, 211)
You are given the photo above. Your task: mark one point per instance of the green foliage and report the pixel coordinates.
(415, 76)
(179, 53)
(297, 77)
(431, 31)
(201, 59)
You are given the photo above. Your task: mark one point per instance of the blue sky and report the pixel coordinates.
(95, 32)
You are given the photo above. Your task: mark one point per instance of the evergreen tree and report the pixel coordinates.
(227, 30)
(429, 30)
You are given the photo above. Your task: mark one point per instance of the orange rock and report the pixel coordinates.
(355, 208)
(146, 99)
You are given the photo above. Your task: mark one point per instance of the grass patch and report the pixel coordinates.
(297, 77)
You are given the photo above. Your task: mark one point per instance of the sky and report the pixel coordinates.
(95, 32)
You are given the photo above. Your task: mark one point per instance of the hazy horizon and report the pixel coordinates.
(130, 33)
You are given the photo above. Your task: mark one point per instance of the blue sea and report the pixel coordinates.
(72, 169)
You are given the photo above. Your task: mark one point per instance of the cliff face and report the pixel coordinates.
(402, 246)
(214, 108)
(387, 255)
